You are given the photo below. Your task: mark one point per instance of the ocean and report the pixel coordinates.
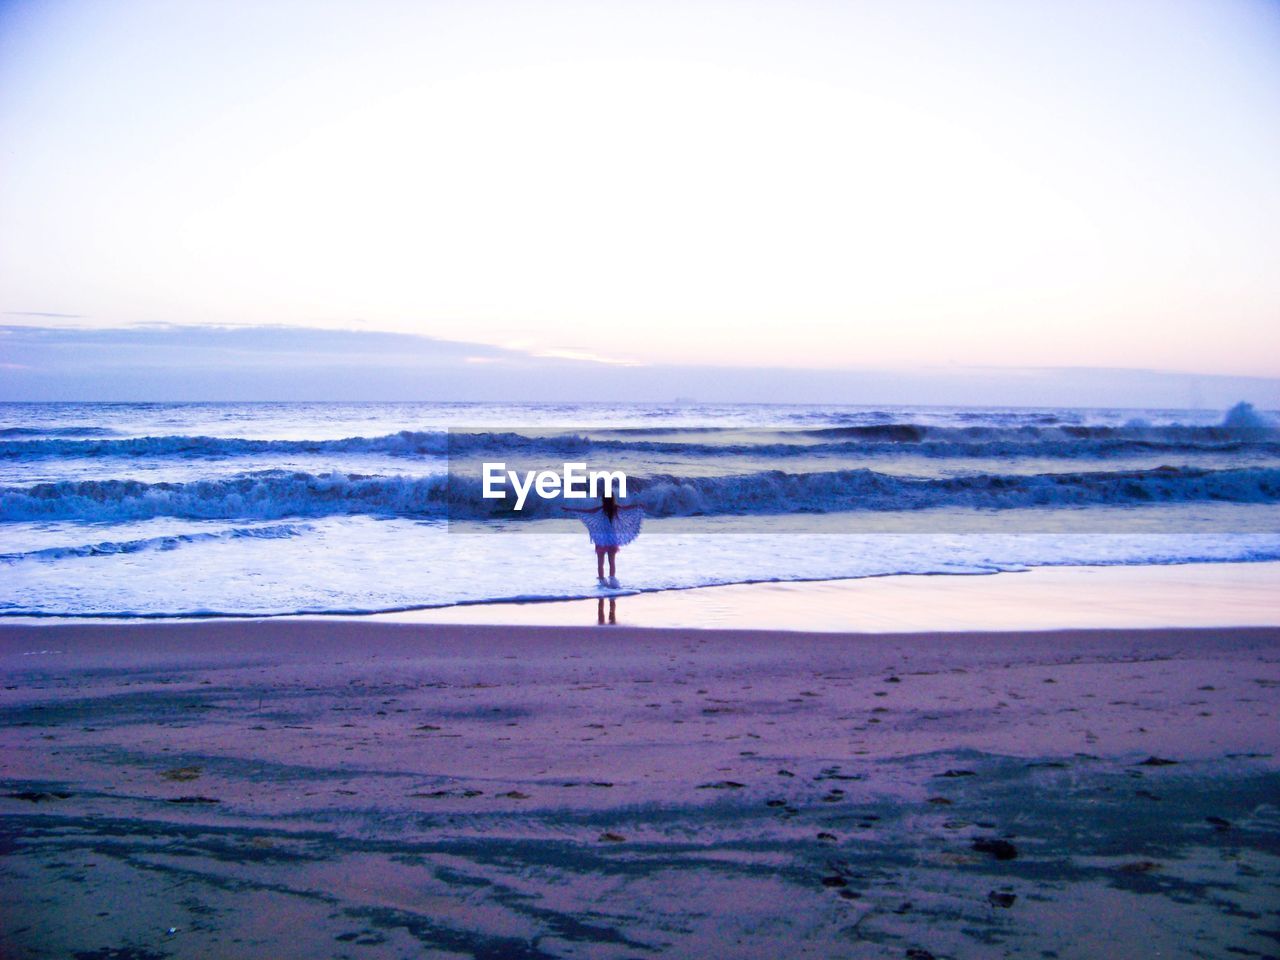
(257, 509)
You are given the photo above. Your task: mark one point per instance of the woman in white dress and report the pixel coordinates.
(610, 525)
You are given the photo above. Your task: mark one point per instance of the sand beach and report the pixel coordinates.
(356, 788)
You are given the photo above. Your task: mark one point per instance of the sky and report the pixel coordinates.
(842, 186)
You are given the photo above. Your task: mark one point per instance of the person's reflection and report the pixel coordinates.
(613, 611)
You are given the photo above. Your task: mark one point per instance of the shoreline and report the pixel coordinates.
(1038, 598)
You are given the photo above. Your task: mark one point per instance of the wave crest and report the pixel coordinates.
(109, 548)
(277, 494)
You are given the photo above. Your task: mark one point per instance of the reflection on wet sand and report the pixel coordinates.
(1046, 598)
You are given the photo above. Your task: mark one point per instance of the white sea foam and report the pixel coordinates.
(360, 565)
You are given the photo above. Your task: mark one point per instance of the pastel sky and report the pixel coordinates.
(862, 185)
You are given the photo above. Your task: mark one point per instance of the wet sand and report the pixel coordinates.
(1044, 598)
(300, 788)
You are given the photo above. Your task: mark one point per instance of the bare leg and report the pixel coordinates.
(613, 567)
(600, 564)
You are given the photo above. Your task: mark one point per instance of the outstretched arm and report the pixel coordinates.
(580, 509)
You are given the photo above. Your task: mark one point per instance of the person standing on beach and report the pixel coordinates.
(610, 526)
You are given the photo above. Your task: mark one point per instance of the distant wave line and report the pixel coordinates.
(977, 442)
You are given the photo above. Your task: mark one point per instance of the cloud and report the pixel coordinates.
(226, 363)
(585, 357)
(45, 314)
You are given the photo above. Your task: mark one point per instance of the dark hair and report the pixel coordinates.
(610, 506)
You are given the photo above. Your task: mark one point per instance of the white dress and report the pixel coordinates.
(624, 527)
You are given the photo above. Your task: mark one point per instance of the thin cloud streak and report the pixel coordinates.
(46, 314)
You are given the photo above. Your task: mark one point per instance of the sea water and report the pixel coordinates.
(249, 509)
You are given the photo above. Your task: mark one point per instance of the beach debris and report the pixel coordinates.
(833, 773)
(1146, 795)
(181, 773)
(956, 773)
(193, 800)
(171, 931)
(514, 795)
(892, 680)
(785, 773)
(428, 726)
(466, 794)
(916, 953)
(827, 836)
(834, 795)
(1000, 849)
(775, 803)
(941, 801)
(834, 880)
(1138, 866)
(1218, 823)
(38, 796)
(600, 783)
(1154, 761)
(722, 785)
(998, 898)
(610, 837)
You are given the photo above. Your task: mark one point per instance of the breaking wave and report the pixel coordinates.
(110, 548)
(276, 494)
